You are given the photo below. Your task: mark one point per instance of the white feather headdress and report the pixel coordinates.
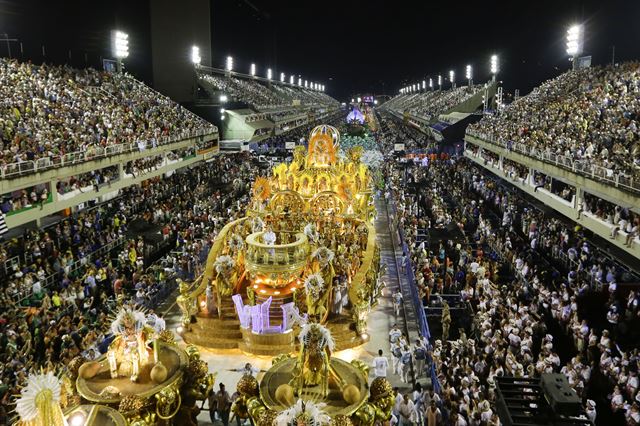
(312, 414)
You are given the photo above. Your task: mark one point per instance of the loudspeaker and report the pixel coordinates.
(559, 394)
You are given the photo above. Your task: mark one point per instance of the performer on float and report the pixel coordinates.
(128, 353)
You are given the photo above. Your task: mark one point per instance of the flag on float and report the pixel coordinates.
(3, 225)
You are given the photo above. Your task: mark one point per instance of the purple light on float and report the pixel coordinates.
(355, 116)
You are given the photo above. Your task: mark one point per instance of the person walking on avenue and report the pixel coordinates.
(380, 364)
(397, 302)
(220, 403)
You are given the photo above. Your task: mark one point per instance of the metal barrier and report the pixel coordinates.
(12, 170)
(583, 167)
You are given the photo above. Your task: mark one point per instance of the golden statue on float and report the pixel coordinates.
(306, 251)
(314, 389)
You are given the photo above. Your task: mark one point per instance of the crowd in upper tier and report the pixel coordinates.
(260, 96)
(430, 104)
(48, 111)
(589, 116)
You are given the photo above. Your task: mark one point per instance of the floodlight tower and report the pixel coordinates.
(120, 47)
(269, 74)
(253, 70)
(195, 55)
(452, 76)
(439, 81)
(229, 64)
(495, 67)
(575, 43)
(430, 83)
(291, 79)
(282, 78)
(469, 75)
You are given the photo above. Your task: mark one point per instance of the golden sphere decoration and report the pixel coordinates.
(159, 373)
(351, 394)
(247, 385)
(341, 420)
(284, 395)
(380, 388)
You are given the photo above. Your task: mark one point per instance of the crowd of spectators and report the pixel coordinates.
(431, 103)
(260, 96)
(531, 281)
(588, 116)
(60, 283)
(50, 111)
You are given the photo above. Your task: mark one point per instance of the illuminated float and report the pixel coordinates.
(144, 376)
(306, 251)
(314, 389)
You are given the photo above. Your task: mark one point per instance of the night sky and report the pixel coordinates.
(371, 46)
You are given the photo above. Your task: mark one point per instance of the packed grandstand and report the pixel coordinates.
(498, 266)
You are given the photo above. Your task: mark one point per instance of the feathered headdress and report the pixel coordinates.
(304, 413)
(316, 331)
(39, 401)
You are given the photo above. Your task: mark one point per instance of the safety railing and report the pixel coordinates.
(579, 166)
(13, 170)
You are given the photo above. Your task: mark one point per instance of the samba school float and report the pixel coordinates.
(305, 252)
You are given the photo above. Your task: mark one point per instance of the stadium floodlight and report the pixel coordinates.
(282, 77)
(229, 63)
(323, 87)
(352, 100)
(223, 98)
(469, 74)
(452, 76)
(195, 55)
(300, 81)
(575, 42)
(424, 84)
(430, 83)
(120, 44)
(269, 74)
(375, 102)
(495, 67)
(305, 84)
(291, 79)
(253, 70)
(439, 81)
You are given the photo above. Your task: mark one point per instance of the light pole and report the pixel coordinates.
(469, 75)
(269, 74)
(229, 64)
(495, 67)
(439, 81)
(195, 55)
(281, 77)
(575, 43)
(430, 83)
(120, 47)
(253, 70)
(452, 76)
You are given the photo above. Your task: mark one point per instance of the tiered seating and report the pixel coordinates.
(259, 96)
(430, 104)
(588, 115)
(49, 111)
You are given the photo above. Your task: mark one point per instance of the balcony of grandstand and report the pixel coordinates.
(57, 115)
(585, 120)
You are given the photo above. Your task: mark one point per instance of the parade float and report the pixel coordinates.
(143, 379)
(305, 252)
(314, 389)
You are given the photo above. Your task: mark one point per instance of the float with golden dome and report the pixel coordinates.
(306, 251)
